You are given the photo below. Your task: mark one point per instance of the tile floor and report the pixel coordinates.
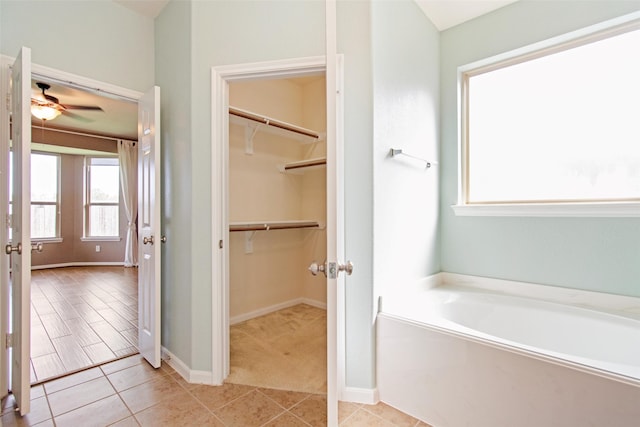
(128, 392)
(285, 350)
(81, 317)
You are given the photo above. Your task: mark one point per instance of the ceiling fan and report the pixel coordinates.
(47, 107)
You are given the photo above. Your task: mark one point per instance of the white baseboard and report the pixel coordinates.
(189, 375)
(266, 310)
(369, 396)
(77, 264)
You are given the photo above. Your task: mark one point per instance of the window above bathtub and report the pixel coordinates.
(553, 129)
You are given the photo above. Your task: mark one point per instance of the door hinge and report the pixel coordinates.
(9, 101)
(8, 340)
(8, 220)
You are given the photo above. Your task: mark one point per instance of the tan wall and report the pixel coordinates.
(72, 249)
(276, 271)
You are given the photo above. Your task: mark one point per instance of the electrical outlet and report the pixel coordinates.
(98, 248)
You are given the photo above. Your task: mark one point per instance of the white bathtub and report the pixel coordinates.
(458, 355)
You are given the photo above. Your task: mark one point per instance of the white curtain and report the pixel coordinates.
(128, 155)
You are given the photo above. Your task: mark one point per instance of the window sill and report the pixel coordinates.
(596, 210)
(100, 239)
(46, 240)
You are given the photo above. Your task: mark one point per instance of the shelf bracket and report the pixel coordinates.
(249, 134)
(248, 241)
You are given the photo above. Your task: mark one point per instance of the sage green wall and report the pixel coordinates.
(98, 39)
(173, 36)
(219, 33)
(354, 42)
(598, 254)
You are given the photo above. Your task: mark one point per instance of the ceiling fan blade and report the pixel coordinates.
(75, 116)
(82, 107)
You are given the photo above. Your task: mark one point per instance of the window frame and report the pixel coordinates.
(88, 204)
(594, 33)
(57, 237)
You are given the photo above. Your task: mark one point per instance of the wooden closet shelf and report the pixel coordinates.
(299, 133)
(271, 225)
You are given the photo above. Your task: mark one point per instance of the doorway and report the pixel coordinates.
(147, 108)
(222, 77)
(277, 217)
(83, 307)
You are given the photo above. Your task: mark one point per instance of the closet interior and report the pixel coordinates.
(277, 216)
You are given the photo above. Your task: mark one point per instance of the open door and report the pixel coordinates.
(149, 226)
(335, 218)
(20, 247)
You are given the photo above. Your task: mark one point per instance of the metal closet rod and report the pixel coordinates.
(271, 122)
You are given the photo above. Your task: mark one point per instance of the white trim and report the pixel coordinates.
(272, 308)
(368, 396)
(189, 375)
(101, 239)
(603, 209)
(220, 78)
(590, 34)
(77, 264)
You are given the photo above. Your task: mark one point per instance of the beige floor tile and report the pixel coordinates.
(286, 420)
(99, 353)
(110, 336)
(71, 380)
(214, 397)
(284, 398)
(39, 413)
(346, 409)
(127, 422)
(71, 354)
(152, 392)
(184, 413)
(40, 342)
(54, 325)
(47, 366)
(253, 409)
(362, 418)
(83, 332)
(391, 414)
(97, 414)
(133, 376)
(313, 410)
(79, 395)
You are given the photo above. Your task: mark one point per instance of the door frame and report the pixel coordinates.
(220, 79)
(64, 78)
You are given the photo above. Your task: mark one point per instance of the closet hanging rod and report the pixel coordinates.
(266, 226)
(272, 122)
(304, 164)
(398, 152)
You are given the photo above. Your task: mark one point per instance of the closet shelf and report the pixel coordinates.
(248, 118)
(271, 225)
(303, 164)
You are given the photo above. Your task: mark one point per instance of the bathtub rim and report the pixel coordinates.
(516, 349)
(627, 307)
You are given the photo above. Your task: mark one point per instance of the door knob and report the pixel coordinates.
(8, 249)
(316, 268)
(148, 240)
(38, 247)
(347, 268)
(163, 239)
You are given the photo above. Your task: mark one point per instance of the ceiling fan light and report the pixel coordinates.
(44, 112)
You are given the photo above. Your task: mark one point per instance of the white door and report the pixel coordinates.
(149, 238)
(20, 247)
(335, 218)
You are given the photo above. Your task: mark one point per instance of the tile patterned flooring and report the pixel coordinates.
(81, 317)
(285, 350)
(84, 316)
(128, 392)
